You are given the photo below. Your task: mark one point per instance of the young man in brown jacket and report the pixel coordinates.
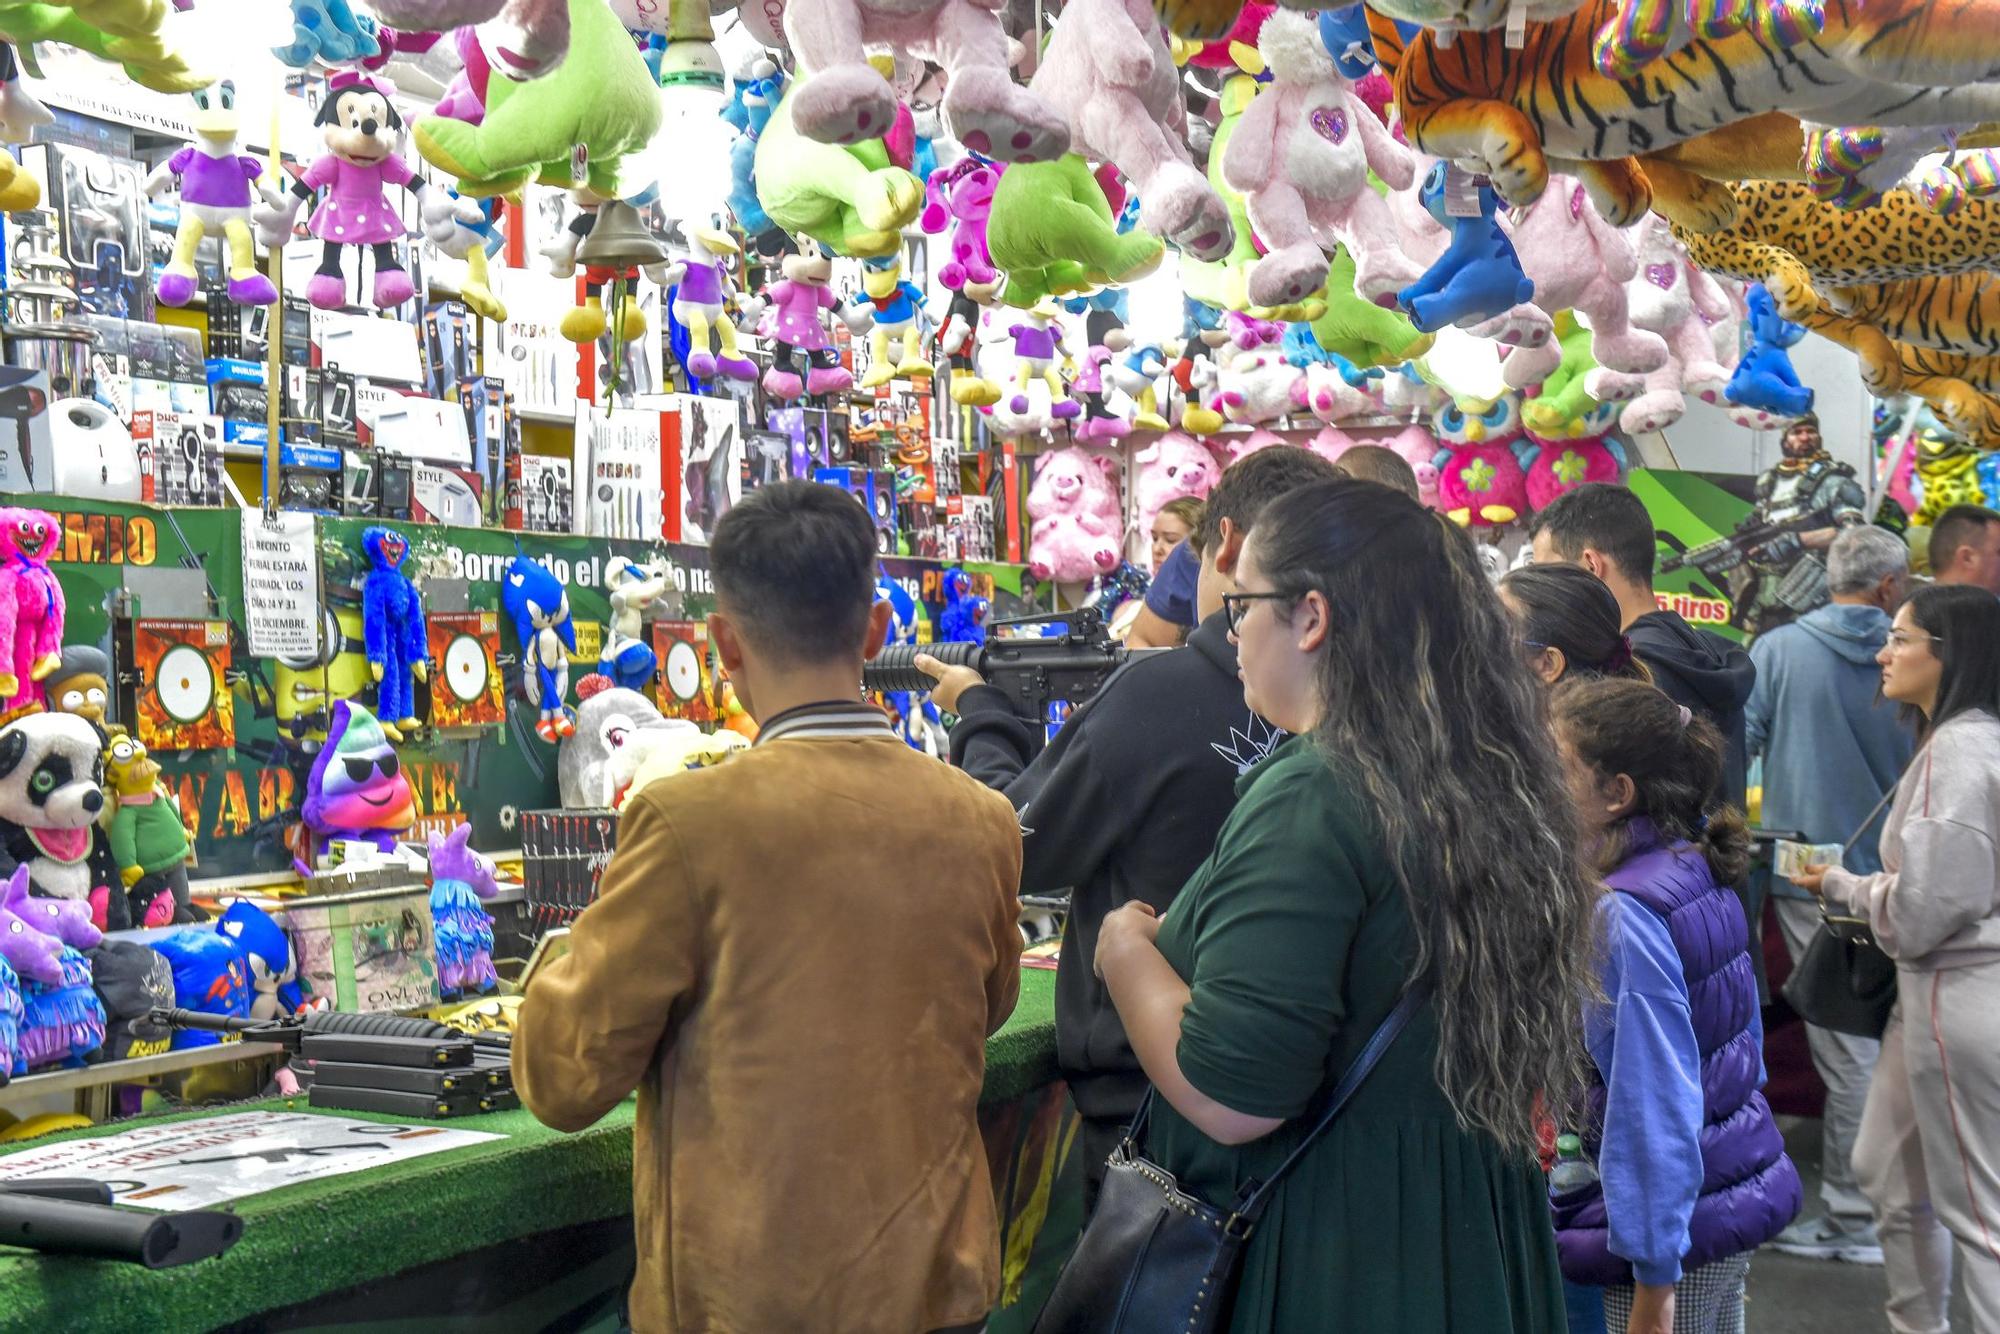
(801, 1005)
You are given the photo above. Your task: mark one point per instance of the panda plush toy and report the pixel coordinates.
(51, 793)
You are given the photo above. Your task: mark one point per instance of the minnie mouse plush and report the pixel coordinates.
(361, 129)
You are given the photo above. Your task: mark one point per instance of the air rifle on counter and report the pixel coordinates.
(332, 1035)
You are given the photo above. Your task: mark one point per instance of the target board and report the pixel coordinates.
(464, 651)
(184, 701)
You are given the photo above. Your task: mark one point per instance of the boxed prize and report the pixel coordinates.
(181, 454)
(452, 496)
(238, 390)
(540, 498)
(309, 478)
(100, 208)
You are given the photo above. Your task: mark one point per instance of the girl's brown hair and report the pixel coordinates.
(1673, 757)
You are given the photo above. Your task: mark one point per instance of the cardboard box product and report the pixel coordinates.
(452, 496)
(182, 453)
(546, 495)
(370, 951)
(99, 204)
(309, 478)
(25, 451)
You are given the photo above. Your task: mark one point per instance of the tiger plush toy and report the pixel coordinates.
(1507, 112)
(1955, 313)
(1959, 389)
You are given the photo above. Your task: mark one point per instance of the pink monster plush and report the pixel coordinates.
(1110, 74)
(846, 100)
(31, 605)
(1077, 516)
(1170, 468)
(1300, 156)
(962, 194)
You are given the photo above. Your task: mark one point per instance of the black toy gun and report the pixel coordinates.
(1724, 554)
(1033, 671)
(377, 1039)
(75, 1217)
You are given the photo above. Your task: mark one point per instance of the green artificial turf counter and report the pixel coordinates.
(320, 1237)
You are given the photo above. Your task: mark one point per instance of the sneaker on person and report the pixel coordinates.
(1831, 1238)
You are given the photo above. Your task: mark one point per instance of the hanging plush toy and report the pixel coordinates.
(895, 307)
(851, 199)
(149, 842)
(961, 197)
(1564, 465)
(357, 788)
(393, 628)
(1098, 422)
(755, 97)
(1135, 370)
(1038, 339)
(958, 340)
(215, 187)
(795, 328)
(1077, 516)
(362, 130)
(1563, 400)
(1478, 276)
(460, 878)
(539, 607)
(31, 605)
(1765, 377)
(267, 958)
(1673, 298)
(1482, 485)
(963, 620)
(1052, 231)
(630, 588)
(471, 234)
(701, 303)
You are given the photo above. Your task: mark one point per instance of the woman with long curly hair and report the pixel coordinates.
(1415, 832)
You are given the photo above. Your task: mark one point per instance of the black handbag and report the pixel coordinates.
(1844, 981)
(1156, 1260)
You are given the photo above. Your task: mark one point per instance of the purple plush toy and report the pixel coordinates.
(68, 920)
(460, 878)
(62, 1018)
(11, 1061)
(34, 954)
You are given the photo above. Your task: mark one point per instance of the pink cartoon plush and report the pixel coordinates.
(1326, 394)
(1170, 468)
(1098, 423)
(1110, 74)
(1419, 449)
(1564, 465)
(1670, 297)
(31, 605)
(847, 101)
(1077, 516)
(1331, 443)
(1578, 261)
(961, 197)
(1255, 385)
(1300, 156)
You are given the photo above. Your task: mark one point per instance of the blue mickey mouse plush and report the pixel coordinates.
(1765, 378)
(1478, 276)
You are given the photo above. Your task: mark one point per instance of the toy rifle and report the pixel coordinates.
(331, 1035)
(75, 1217)
(1724, 554)
(1033, 671)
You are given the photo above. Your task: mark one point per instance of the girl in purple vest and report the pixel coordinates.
(1692, 1170)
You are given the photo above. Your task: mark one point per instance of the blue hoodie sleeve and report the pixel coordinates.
(1643, 1042)
(1757, 710)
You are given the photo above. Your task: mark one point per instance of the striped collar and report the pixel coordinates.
(829, 719)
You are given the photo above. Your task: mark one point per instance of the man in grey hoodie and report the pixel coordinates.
(1831, 747)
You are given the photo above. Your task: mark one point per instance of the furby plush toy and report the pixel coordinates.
(1482, 485)
(215, 184)
(393, 629)
(362, 130)
(357, 788)
(149, 842)
(31, 605)
(539, 607)
(460, 879)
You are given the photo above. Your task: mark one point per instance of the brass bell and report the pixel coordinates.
(620, 239)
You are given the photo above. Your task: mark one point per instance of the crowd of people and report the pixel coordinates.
(1369, 783)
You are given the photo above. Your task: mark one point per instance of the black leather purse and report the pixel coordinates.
(1156, 1260)
(1844, 981)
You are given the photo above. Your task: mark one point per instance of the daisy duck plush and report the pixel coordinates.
(702, 290)
(215, 187)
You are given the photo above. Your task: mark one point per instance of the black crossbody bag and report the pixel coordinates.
(1156, 1260)
(1844, 981)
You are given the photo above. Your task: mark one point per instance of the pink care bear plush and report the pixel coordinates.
(1110, 74)
(1078, 518)
(1669, 296)
(1300, 157)
(1170, 468)
(845, 100)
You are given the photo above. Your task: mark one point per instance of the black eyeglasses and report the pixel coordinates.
(1236, 606)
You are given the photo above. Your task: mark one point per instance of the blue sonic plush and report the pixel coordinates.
(1477, 277)
(1765, 378)
(393, 629)
(539, 607)
(267, 956)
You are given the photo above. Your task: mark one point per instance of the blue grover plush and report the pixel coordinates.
(1478, 276)
(539, 607)
(749, 110)
(328, 30)
(1764, 377)
(393, 629)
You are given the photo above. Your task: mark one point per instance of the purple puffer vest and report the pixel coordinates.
(1749, 1188)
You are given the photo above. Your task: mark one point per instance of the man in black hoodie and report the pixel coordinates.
(1126, 802)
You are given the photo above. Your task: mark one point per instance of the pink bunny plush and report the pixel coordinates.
(963, 194)
(1300, 156)
(1109, 72)
(1170, 468)
(846, 100)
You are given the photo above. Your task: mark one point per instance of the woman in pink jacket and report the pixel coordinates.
(1928, 1151)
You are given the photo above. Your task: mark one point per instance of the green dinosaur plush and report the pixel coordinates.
(1559, 412)
(1363, 332)
(1051, 231)
(602, 97)
(130, 33)
(848, 198)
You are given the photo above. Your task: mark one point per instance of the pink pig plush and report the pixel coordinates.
(1170, 468)
(1419, 449)
(1331, 443)
(1077, 516)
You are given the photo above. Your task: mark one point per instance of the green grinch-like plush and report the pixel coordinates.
(1225, 283)
(848, 198)
(1051, 231)
(1558, 412)
(601, 97)
(130, 33)
(1360, 330)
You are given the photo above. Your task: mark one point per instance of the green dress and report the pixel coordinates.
(1295, 943)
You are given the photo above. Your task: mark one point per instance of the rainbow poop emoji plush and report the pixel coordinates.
(357, 789)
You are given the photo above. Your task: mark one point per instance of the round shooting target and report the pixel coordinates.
(185, 683)
(683, 670)
(465, 668)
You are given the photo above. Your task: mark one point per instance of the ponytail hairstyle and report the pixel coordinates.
(1675, 762)
(1568, 609)
(1427, 708)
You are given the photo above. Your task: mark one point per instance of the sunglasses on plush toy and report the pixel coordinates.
(358, 768)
